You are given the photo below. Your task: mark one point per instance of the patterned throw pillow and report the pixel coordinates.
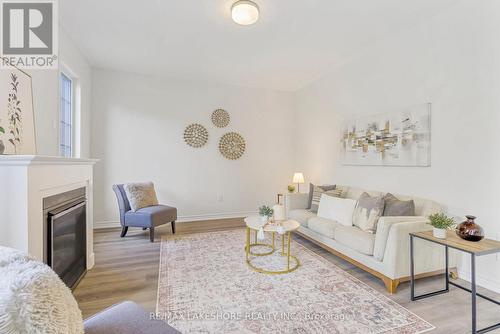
(368, 211)
(316, 196)
(140, 195)
(395, 207)
(311, 192)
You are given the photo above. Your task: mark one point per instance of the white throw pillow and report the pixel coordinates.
(338, 209)
(140, 195)
(33, 299)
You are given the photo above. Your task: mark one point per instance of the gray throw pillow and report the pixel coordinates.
(367, 212)
(140, 195)
(311, 192)
(396, 207)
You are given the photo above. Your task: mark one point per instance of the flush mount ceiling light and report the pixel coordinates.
(245, 12)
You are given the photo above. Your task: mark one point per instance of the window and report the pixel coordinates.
(66, 117)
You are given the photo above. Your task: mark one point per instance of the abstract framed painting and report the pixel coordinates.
(17, 121)
(391, 139)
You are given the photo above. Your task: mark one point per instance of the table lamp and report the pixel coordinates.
(298, 178)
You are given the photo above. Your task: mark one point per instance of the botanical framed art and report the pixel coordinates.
(17, 121)
(391, 139)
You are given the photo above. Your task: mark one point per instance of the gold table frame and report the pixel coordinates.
(248, 252)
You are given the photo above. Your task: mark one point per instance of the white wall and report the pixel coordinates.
(137, 132)
(46, 100)
(451, 60)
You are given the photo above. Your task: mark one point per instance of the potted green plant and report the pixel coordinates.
(440, 224)
(291, 188)
(265, 213)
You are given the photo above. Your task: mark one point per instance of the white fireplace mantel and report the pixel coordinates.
(25, 180)
(25, 160)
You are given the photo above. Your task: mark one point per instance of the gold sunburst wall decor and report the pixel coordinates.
(220, 118)
(195, 135)
(232, 145)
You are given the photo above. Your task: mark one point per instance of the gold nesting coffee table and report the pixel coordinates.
(254, 223)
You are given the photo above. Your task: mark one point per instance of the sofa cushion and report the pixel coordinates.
(151, 216)
(323, 226)
(338, 209)
(301, 215)
(354, 238)
(368, 211)
(398, 208)
(354, 193)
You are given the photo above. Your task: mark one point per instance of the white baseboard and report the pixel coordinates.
(91, 263)
(184, 219)
(481, 280)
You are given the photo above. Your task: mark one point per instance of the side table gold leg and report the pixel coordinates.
(288, 255)
(247, 248)
(283, 244)
(292, 262)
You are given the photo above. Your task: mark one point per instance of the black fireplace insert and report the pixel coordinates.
(65, 238)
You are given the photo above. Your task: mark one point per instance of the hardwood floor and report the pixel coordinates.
(127, 269)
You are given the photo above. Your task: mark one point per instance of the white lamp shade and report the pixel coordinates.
(298, 178)
(245, 12)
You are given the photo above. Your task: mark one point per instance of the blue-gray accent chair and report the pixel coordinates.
(124, 318)
(148, 217)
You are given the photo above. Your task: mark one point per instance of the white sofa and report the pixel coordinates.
(384, 254)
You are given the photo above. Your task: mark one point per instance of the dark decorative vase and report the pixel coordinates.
(469, 230)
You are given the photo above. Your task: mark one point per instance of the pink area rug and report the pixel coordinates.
(205, 286)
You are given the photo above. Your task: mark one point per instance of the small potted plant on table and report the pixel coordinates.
(265, 213)
(440, 224)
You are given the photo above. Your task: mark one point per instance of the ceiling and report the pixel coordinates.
(294, 42)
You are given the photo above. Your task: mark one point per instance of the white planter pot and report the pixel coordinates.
(264, 219)
(439, 233)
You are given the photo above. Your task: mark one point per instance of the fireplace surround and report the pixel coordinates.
(27, 181)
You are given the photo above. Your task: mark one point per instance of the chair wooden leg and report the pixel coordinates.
(152, 234)
(124, 231)
(173, 227)
(391, 284)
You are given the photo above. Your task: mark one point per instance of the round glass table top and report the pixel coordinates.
(255, 223)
